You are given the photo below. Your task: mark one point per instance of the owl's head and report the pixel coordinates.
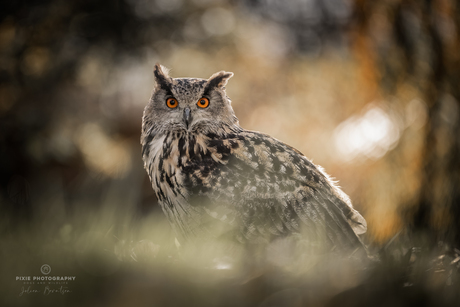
(189, 105)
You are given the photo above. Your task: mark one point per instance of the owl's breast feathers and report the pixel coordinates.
(251, 181)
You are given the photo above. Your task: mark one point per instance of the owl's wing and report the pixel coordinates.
(270, 189)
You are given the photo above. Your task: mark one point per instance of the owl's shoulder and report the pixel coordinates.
(260, 152)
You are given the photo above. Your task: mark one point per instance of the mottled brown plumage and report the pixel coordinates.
(215, 179)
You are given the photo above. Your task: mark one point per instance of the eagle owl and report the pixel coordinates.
(215, 179)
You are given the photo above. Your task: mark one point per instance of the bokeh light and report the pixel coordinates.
(370, 135)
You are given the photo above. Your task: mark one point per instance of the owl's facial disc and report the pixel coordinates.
(189, 104)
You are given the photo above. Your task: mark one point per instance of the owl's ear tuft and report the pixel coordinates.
(162, 78)
(219, 79)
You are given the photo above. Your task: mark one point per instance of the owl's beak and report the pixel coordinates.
(187, 117)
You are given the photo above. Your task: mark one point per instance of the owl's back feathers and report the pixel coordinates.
(254, 186)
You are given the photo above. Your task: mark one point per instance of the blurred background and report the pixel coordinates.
(369, 90)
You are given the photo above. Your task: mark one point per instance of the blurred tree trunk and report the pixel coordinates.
(419, 44)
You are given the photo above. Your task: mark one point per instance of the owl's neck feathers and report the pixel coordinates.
(156, 141)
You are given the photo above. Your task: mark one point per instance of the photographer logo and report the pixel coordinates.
(45, 284)
(45, 269)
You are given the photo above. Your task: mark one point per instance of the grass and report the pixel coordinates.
(119, 258)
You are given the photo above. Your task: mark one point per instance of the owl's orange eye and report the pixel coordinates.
(172, 103)
(203, 103)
